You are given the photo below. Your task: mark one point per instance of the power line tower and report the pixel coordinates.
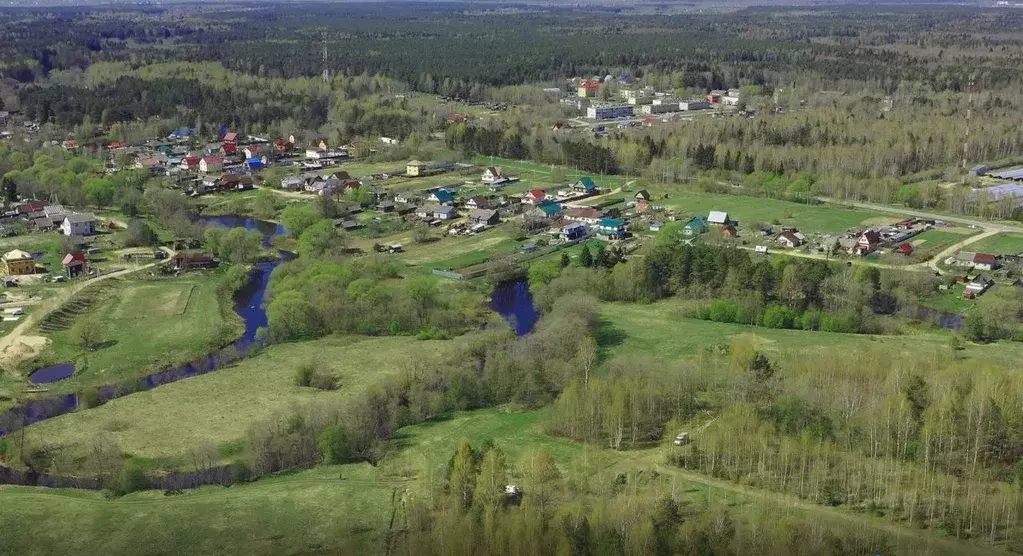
(969, 116)
(326, 69)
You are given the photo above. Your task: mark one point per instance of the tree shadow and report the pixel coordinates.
(609, 335)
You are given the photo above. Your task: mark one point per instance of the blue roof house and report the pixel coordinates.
(612, 228)
(585, 185)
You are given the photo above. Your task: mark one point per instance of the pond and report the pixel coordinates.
(514, 302)
(53, 373)
(248, 305)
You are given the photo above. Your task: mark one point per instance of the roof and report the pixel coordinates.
(697, 222)
(231, 136)
(611, 223)
(537, 193)
(213, 160)
(17, 255)
(584, 212)
(790, 237)
(550, 208)
(482, 214)
(494, 170)
(717, 217)
(78, 218)
(643, 194)
(416, 163)
(444, 195)
(906, 248)
(984, 258)
(444, 209)
(589, 85)
(587, 183)
(74, 258)
(573, 225)
(871, 235)
(966, 256)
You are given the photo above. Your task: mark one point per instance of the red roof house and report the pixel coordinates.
(904, 249)
(74, 263)
(536, 196)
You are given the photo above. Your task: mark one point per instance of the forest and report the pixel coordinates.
(821, 384)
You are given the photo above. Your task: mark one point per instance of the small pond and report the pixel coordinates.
(53, 373)
(514, 302)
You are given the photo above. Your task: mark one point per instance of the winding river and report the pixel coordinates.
(248, 305)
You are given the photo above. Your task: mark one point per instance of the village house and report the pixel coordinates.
(253, 151)
(547, 210)
(588, 89)
(415, 168)
(985, 261)
(484, 216)
(323, 186)
(439, 212)
(587, 215)
(585, 185)
(573, 231)
(190, 163)
(697, 225)
(76, 225)
(729, 232)
(904, 249)
(18, 262)
(211, 164)
(74, 264)
(283, 146)
(478, 202)
(535, 196)
(612, 228)
(789, 239)
(192, 261)
(293, 183)
(406, 198)
(867, 242)
(442, 196)
(492, 174)
(978, 286)
(719, 218)
(643, 195)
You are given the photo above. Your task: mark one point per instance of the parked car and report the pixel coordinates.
(682, 439)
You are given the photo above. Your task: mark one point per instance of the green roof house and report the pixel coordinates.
(695, 226)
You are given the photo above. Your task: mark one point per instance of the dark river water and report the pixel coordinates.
(249, 306)
(514, 302)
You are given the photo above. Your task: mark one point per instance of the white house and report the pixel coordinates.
(492, 174)
(211, 164)
(789, 239)
(389, 141)
(75, 224)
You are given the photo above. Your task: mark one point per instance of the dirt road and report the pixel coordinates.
(17, 346)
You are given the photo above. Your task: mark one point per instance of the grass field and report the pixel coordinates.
(344, 509)
(147, 325)
(931, 242)
(999, 244)
(217, 408)
(657, 330)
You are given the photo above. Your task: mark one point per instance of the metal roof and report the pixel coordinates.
(1008, 174)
